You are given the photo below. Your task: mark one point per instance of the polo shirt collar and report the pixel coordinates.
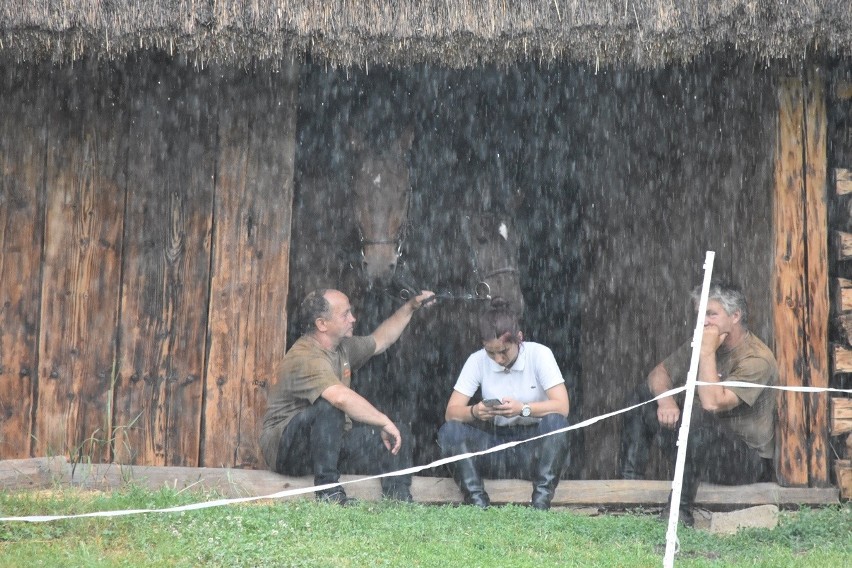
(519, 365)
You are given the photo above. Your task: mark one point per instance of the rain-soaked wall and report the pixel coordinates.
(619, 181)
(616, 183)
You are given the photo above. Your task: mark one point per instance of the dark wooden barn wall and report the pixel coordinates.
(145, 229)
(681, 163)
(144, 234)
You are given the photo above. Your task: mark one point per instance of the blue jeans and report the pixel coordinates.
(520, 461)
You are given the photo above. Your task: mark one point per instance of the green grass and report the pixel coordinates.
(305, 533)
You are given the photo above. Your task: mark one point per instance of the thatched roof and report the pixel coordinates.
(457, 33)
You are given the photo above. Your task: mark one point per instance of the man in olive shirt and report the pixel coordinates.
(732, 431)
(308, 426)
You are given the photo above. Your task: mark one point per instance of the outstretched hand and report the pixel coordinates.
(424, 299)
(391, 438)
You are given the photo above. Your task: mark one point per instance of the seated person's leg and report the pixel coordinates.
(364, 453)
(638, 431)
(704, 438)
(456, 438)
(730, 461)
(550, 455)
(311, 443)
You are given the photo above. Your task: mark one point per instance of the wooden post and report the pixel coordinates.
(22, 152)
(816, 242)
(166, 265)
(248, 319)
(801, 279)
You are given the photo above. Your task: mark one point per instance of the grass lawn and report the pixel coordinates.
(305, 533)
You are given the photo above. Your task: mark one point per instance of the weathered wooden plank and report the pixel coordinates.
(841, 359)
(841, 416)
(166, 265)
(842, 295)
(32, 473)
(22, 150)
(790, 302)
(816, 242)
(87, 154)
(842, 181)
(843, 472)
(842, 245)
(254, 193)
(438, 490)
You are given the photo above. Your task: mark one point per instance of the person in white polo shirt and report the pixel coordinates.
(523, 396)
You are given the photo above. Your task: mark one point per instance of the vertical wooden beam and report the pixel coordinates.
(816, 242)
(254, 194)
(166, 265)
(801, 277)
(22, 151)
(789, 293)
(86, 157)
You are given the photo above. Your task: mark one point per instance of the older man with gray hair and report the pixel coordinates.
(732, 430)
(314, 422)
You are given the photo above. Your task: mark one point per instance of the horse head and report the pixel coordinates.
(381, 189)
(495, 257)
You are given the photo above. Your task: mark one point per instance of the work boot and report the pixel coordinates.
(335, 495)
(470, 483)
(397, 492)
(553, 454)
(684, 515)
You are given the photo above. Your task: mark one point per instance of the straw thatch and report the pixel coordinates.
(457, 33)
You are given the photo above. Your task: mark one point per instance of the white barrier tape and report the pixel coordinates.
(411, 470)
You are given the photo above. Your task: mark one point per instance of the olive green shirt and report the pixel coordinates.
(307, 370)
(751, 361)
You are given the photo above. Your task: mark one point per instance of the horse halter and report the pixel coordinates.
(482, 290)
(398, 240)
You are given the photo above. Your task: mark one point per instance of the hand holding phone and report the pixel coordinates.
(492, 402)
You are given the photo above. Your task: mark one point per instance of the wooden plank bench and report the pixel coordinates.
(615, 493)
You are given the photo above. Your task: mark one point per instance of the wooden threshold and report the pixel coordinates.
(45, 473)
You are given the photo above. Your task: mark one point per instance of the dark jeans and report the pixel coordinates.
(712, 452)
(315, 441)
(517, 462)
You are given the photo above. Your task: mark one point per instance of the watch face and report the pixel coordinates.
(526, 411)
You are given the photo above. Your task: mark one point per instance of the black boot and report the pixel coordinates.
(335, 495)
(470, 483)
(640, 427)
(553, 454)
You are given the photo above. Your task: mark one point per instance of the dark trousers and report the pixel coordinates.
(315, 441)
(517, 462)
(712, 453)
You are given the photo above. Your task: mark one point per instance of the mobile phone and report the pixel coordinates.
(492, 402)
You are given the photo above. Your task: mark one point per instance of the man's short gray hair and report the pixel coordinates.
(314, 306)
(731, 298)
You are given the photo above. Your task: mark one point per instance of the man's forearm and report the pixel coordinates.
(659, 381)
(355, 406)
(713, 398)
(390, 329)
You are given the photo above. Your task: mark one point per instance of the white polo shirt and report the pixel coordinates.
(534, 372)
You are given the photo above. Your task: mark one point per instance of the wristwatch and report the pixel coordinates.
(526, 410)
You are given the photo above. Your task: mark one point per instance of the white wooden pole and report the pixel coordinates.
(683, 434)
